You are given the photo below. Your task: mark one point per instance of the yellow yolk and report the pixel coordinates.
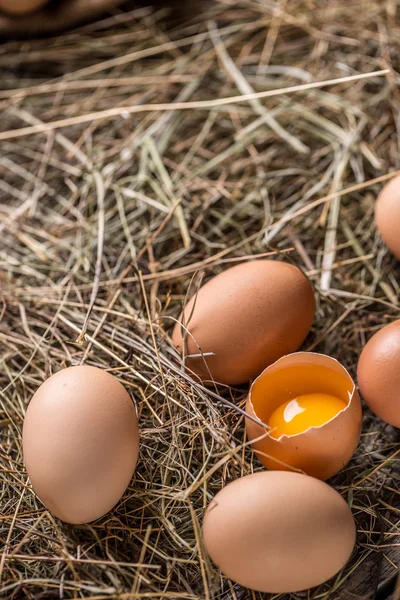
(297, 415)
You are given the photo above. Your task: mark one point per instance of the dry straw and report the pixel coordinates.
(105, 218)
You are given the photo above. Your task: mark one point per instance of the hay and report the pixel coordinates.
(178, 192)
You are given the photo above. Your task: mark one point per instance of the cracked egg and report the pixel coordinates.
(313, 411)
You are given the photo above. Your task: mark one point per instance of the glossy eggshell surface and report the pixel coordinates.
(379, 373)
(81, 443)
(279, 532)
(319, 451)
(21, 7)
(387, 215)
(248, 316)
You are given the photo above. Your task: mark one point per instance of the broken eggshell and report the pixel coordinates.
(318, 451)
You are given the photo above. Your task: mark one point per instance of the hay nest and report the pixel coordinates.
(119, 148)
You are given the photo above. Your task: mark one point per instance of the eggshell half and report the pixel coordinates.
(387, 215)
(378, 373)
(81, 443)
(247, 317)
(319, 451)
(279, 532)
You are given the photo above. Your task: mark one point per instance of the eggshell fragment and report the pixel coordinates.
(387, 215)
(319, 451)
(378, 373)
(279, 532)
(247, 317)
(81, 443)
(21, 7)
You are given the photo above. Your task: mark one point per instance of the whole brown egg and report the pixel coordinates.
(81, 443)
(279, 532)
(387, 215)
(378, 373)
(244, 319)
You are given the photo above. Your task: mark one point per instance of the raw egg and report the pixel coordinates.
(312, 411)
(379, 373)
(279, 532)
(81, 443)
(303, 412)
(21, 7)
(387, 215)
(244, 319)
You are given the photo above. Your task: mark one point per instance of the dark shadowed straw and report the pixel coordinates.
(387, 587)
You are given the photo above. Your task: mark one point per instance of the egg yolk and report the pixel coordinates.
(297, 415)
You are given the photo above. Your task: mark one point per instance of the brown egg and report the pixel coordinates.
(318, 408)
(379, 373)
(21, 7)
(279, 532)
(387, 215)
(247, 317)
(81, 443)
